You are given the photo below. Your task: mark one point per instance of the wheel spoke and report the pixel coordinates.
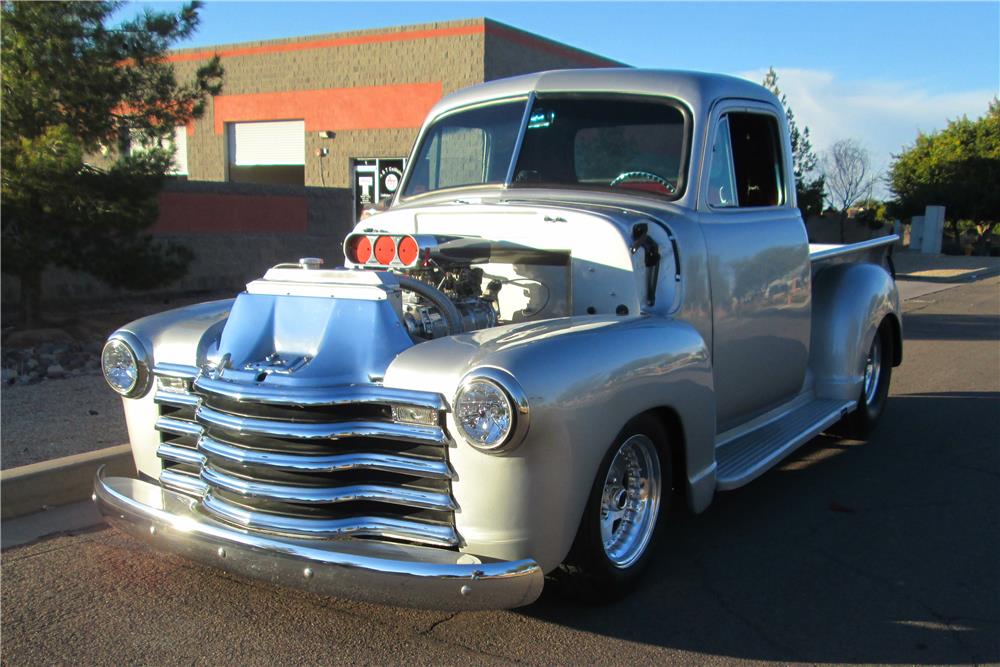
(630, 500)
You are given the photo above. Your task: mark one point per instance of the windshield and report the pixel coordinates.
(577, 141)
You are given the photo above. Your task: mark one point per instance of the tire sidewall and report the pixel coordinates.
(588, 549)
(870, 412)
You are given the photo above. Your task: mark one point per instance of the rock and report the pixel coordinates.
(27, 378)
(93, 413)
(8, 376)
(55, 371)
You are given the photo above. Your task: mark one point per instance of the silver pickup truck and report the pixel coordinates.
(591, 300)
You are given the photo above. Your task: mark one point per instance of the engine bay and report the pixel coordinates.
(453, 284)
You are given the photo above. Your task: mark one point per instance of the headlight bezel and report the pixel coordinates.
(144, 375)
(517, 401)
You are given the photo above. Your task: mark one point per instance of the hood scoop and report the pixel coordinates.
(312, 327)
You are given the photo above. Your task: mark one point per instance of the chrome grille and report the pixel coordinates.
(311, 462)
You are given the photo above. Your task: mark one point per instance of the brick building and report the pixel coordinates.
(309, 110)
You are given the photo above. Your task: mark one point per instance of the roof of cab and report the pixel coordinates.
(697, 89)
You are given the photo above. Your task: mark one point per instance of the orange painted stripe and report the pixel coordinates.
(332, 42)
(375, 107)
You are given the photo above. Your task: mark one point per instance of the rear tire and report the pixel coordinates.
(874, 389)
(624, 515)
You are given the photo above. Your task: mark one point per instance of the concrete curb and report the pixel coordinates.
(70, 479)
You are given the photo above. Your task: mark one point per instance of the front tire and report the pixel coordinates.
(623, 517)
(874, 389)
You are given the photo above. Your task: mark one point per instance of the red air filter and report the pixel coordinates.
(408, 250)
(385, 250)
(359, 249)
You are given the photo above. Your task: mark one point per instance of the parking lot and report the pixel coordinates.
(886, 551)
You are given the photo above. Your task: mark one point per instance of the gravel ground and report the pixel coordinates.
(57, 418)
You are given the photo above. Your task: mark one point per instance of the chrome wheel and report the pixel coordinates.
(873, 370)
(630, 501)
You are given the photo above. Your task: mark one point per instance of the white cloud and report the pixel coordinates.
(884, 116)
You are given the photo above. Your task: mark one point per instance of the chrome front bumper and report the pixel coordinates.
(380, 572)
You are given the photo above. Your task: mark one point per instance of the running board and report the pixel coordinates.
(749, 456)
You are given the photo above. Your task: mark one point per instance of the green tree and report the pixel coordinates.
(809, 183)
(75, 87)
(958, 168)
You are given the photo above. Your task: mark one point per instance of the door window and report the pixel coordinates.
(746, 162)
(721, 181)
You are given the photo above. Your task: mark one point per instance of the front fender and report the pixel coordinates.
(584, 377)
(181, 336)
(850, 301)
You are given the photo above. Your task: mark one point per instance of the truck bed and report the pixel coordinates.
(823, 251)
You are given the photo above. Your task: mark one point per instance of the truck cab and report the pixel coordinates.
(592, 298)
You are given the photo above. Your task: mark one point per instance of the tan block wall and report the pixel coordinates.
(456, 61)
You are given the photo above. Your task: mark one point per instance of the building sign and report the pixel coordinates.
(375, 179)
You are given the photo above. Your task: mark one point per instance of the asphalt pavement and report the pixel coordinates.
(886, 551)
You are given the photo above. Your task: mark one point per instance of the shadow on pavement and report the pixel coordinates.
(848, 553)
(928, 326)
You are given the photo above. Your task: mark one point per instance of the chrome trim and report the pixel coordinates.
(518, 400)
(355, 526)
(630, 501)
(176, 371)
(177, 426)
(358, 569)
(853, 247)
(169, 452)
(183, 482)
(143, 360)
(519, 141)
(317, 396)
(395, 495)
(176, 399)
(398, 463)
(322, 431)
(873, 371)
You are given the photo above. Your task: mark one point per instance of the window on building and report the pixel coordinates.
(177, 143)
(267, 152)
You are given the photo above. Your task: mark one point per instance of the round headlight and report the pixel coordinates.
(491, 411)
(125, 366)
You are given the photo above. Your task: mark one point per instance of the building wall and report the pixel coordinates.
(236, 232)
(509, 52)
(372, 88)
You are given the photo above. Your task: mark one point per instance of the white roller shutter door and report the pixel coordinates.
(180, 151)
(281, 142)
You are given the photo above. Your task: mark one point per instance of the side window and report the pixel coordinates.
(721, 181)
(756, 159)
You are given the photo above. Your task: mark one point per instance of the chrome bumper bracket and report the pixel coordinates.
(381, 572)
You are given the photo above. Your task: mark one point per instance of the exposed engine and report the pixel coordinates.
(445, 289)
(426, 318)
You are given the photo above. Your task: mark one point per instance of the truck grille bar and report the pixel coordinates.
(307, 462)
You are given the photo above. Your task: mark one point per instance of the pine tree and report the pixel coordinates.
(809, 184)
(73, 88)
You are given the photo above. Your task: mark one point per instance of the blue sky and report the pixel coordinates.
(877, 72)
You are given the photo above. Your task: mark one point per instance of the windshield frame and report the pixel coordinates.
(530, 99)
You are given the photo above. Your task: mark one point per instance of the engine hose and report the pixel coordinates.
(440, 300)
